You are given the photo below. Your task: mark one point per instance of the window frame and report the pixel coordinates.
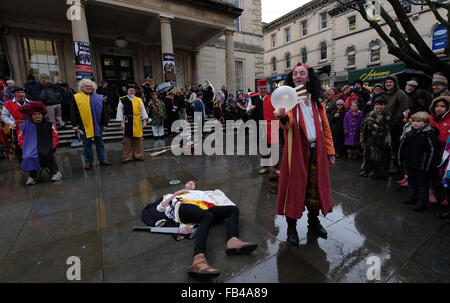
(371, 45)
(29, 52)
(321, 51)
(287, 34)
(349, 49)
(304, 28)
(321, 20)
(304, 55)
(287, 57)
(273, 38)
(274, 64)
(236, 74)
(349, 26)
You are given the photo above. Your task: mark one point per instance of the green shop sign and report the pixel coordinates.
(376, 73)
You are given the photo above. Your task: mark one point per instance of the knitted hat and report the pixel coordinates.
(378, 85)
(412, 82)
(340, 101)
(441, 80)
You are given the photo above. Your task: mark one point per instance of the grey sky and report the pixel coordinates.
(273, 9)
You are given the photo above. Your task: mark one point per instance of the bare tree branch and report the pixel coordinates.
(416, 39)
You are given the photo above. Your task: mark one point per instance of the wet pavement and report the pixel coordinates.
(90, 215)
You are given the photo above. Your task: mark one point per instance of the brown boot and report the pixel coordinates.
(236, 247)
(201, 268)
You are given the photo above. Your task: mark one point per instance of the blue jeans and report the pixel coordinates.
(88, 153)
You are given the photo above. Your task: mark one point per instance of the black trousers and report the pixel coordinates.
(193, 214)
(418, 184)
(396, 132)
(47, 160)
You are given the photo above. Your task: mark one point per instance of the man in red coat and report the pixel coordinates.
(308, 152)
(260, 108)
(13, 117)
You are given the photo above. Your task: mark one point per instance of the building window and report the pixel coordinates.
(304, 28)
(375, 51)
(351, 56)
(288, 60)
(239, 67)
(323, 51)
(287, 33)
(41, 59)
(351, 23)
(323, 20)
(237, 21)
(274, 64)
(274, 40)
(304, 55)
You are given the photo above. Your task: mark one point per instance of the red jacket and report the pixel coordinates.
(443, 126)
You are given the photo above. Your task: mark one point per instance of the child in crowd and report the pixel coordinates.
(419, 153)
(352, 127)
(336, 118)
(406, 128)
(38, 139)
(376, 141)
(440, 119)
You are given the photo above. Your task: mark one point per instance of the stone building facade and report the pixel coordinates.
(215, 40)
(339, 44)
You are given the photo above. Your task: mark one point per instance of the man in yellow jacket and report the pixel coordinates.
(131, 112)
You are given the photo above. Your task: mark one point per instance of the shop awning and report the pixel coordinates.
(375, 73)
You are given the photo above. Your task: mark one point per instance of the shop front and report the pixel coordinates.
(371, 76)
(276, 82)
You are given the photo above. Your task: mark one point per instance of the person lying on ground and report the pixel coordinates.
(193, 206)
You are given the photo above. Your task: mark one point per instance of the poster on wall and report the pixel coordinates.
(169, 74)
(83, 60)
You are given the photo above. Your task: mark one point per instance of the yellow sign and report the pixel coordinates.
(373, 74)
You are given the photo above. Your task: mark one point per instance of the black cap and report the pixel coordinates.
(380, 99)
(358, 81)
(199, 93)
(17, 89)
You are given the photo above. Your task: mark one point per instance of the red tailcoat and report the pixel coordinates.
(268, 115)
(293, 182)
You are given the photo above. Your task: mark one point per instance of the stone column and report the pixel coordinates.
(166, 37)
(196, 55)
(166, 34)
(77, 15)
(229, 61)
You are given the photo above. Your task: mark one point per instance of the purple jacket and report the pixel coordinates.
(352, 127)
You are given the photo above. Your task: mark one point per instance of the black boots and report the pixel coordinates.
(421, 205)
(410, 201)
(314, 224)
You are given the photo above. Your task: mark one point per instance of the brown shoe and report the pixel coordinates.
(87, 166)
(106, 163)
(237, 247)
(263, 171)
(201, 268)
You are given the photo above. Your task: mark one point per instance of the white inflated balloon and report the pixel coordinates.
(284, 97)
